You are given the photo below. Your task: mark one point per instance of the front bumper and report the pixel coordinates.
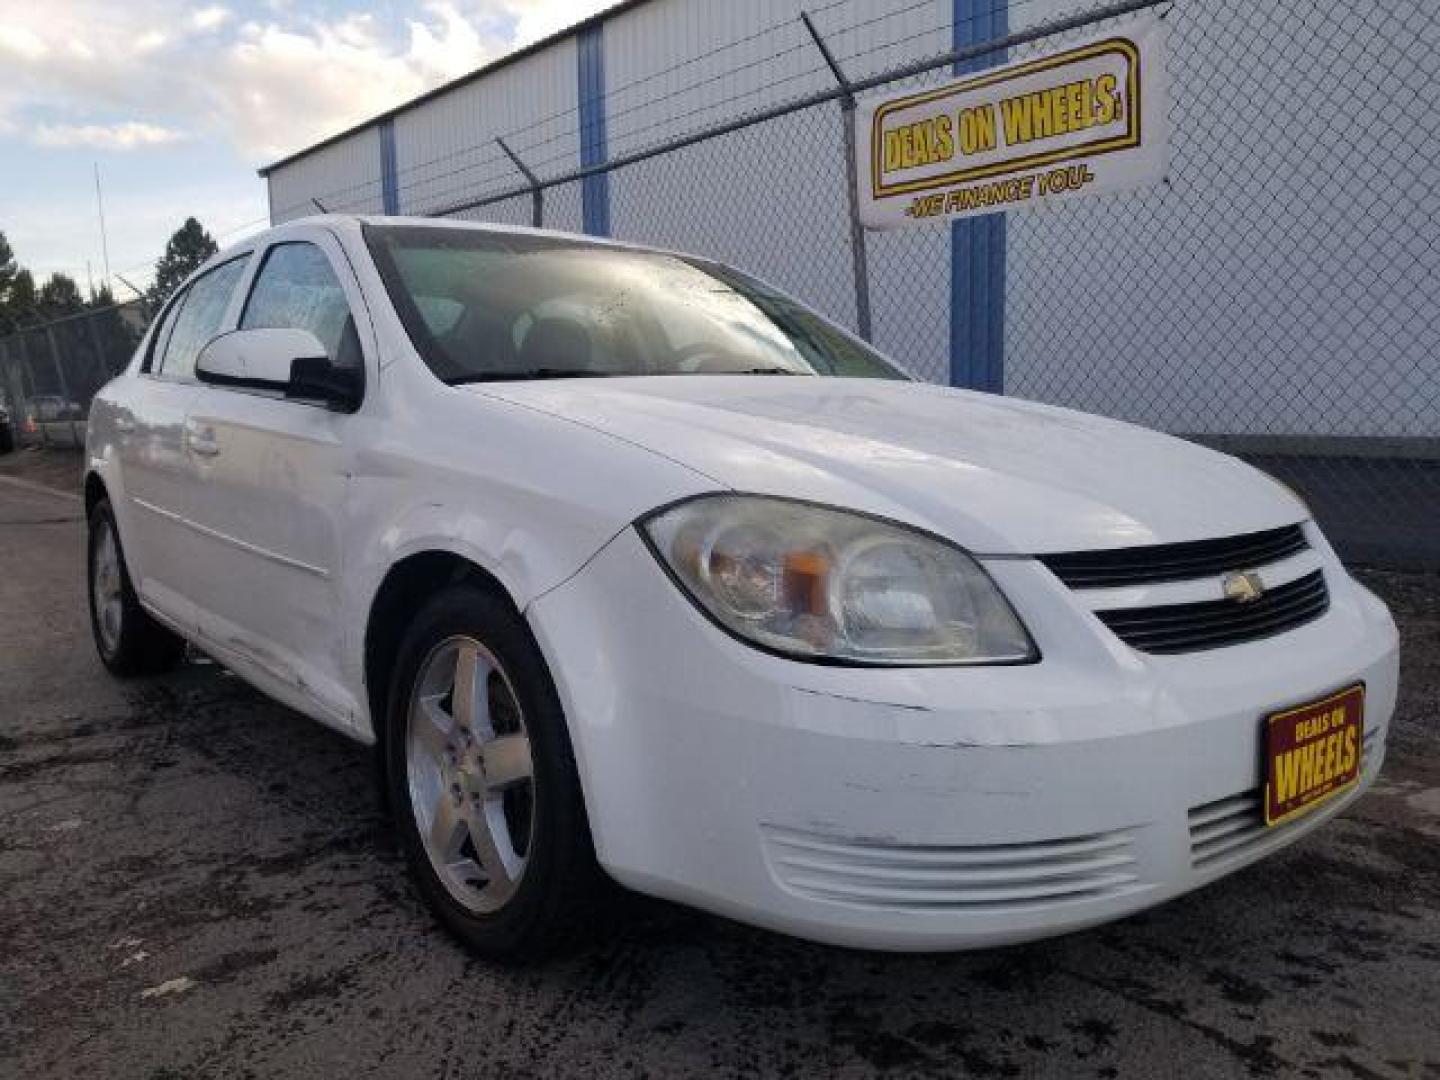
(932, 808)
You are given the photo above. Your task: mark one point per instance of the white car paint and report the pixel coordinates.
(753, 785)
(996, 475)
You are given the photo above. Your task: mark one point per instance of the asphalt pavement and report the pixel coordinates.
(196, 882)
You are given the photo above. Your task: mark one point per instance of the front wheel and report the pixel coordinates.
(480, 770)
(129, 641)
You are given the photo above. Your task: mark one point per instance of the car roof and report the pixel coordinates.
(350, 225)
(353, 223)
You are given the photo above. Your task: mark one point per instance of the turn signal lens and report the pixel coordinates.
(825, 584)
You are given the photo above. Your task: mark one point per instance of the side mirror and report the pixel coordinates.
(288, 361)
(315, 378)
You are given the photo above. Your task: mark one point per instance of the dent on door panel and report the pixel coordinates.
(271, 502)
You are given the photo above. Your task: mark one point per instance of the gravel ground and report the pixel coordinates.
(195, 882)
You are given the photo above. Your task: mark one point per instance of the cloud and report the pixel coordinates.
(211, 18)
(268, 82)
(129, 135)
(22, 43)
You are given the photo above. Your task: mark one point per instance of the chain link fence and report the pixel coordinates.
(49, 372)
(1278, 296)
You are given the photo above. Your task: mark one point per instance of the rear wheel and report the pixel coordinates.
(483, 780)
(129, 641)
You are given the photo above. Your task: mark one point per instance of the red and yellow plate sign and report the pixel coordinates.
(1312, 752)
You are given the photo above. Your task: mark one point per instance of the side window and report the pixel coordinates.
(162, 334)
(197, 320)
(297, 289)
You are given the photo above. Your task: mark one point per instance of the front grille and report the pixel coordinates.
(1232, 827)
(873, 873)
(1211, 624)
(1174, 562)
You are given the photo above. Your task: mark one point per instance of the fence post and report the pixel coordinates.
(102, 362)
(14, 391)
(537, 193)
(59, 375)
(860, 266)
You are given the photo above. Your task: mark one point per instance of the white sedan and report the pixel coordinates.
(627, 562)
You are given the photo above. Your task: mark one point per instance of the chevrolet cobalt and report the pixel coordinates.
(629, 564)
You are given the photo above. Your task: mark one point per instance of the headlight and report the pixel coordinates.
(822, 584)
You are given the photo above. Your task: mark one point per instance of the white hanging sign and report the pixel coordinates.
(1084, 120)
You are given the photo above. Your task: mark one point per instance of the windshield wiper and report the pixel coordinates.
(766, 371)
(533, 373)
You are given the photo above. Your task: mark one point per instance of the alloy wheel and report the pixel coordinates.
(106, 584)
(470, 775)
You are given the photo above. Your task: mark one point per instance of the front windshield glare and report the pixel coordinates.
(489, 306)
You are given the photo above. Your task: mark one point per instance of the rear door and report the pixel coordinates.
(273, 481)
(161, 544)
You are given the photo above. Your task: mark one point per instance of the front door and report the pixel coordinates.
(272, 483)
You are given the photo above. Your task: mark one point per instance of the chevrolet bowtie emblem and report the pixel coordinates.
(1243, 587)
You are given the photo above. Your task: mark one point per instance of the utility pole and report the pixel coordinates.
(100, 205)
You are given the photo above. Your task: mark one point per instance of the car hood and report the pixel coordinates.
(996, 475)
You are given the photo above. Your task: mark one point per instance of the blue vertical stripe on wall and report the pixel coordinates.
(595, 190)
(389, 180)
(977, 244)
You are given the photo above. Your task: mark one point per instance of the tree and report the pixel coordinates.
(8, 268)
(187, 249)
(58, 297)
(9, 271)
(21, 303)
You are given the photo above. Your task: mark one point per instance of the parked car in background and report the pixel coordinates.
(48, 408)
(54, 420)
(626, 561)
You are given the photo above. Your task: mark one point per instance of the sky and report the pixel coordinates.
(178, 104)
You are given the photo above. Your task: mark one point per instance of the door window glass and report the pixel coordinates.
(162, 335)
(198, 319)
(297, 289)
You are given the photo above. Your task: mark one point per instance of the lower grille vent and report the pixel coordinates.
(943, 878)
(1228, 828)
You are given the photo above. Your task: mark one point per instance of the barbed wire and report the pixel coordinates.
(525, 147)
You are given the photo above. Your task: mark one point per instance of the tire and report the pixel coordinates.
(503, 859)
(129, 641)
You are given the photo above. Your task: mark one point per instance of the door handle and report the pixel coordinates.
(203, 442)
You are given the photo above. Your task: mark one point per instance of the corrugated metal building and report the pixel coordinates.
(1271, 288)
(639, 74)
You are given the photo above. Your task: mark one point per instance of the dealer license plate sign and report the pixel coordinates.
(1312, 753)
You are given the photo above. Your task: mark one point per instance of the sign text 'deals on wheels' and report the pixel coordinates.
(1085, 120)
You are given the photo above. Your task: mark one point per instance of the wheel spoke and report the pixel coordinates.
(433, 727)
(506, 761)
(490, 836)
(447, 830)
(470, 697)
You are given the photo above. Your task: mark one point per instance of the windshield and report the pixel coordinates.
(488, 305)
